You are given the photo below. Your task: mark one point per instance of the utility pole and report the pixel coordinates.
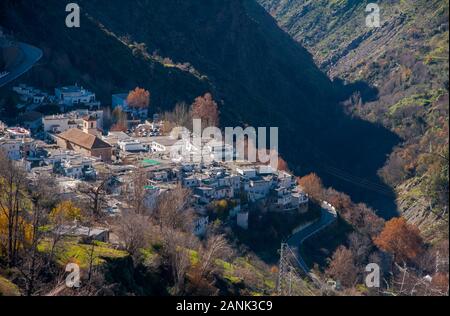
(282, 269)
(290, 281)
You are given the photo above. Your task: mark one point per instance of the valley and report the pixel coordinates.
(99, 182)
(253, 66)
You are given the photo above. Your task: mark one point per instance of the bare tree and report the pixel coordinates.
(95, 193)
(136, 196)
(201, 274)
(133, 231)
(342, 267)
(178, 247)
(33, 262)
(180, 116)
(12, 205)
(216, 247)
(172, 210)
(360, 245)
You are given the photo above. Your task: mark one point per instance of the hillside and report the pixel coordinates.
(406, 62)
(258, 73)
(91, 57)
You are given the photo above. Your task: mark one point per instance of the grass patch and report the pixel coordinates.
(422, 100)
(7, 288)
(70, 250)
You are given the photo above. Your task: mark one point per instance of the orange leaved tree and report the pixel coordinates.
(313, 186)
(205, 108)
(139, 98)
(400, 239)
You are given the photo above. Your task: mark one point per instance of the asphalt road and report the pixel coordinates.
(328, 217)
(31, 55)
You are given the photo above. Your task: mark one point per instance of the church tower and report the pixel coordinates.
(90, 125)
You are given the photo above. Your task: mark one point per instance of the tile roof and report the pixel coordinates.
(82, 139)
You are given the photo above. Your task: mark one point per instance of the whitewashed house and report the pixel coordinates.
(248, 173)
(72, 96)
(223, 192)
(205, 194)
(257, 189)
(131, 145)
(285, 179)
(190, 182)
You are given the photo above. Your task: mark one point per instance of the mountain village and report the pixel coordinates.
(74, 147)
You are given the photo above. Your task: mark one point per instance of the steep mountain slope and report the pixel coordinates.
(406, 60)
(258, 73)
(91, 57)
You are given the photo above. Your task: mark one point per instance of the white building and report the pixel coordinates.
(131, 145)
(63, 122)
(299, 199)
(285, 179)
(76, 168)
(219, 151)
(18, 133)
(71, 96)
(247, 172)
(58, 123)
(190, 182)
(204, 194)
(224, 192)
(30, 94)
(257, 188)
(165, 144)
(231, 181)
(96, 233)
(284, 197)
(12, 148)
(113, 138)
(17, 149)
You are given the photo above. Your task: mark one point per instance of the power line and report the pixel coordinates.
(289, 278)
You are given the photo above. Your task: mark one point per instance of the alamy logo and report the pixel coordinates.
(373, 18)
(209, 144)
(373, 278)
(73, 18)
(73, 279)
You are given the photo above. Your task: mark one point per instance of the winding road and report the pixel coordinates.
(327, 218)
(31, 55)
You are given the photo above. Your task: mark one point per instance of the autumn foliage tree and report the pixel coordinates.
(400, 239)
(313, 186)
(139, 98)
(342, 267)
(205, 108)
(120, 120)
(282, 164)
(65, 212)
